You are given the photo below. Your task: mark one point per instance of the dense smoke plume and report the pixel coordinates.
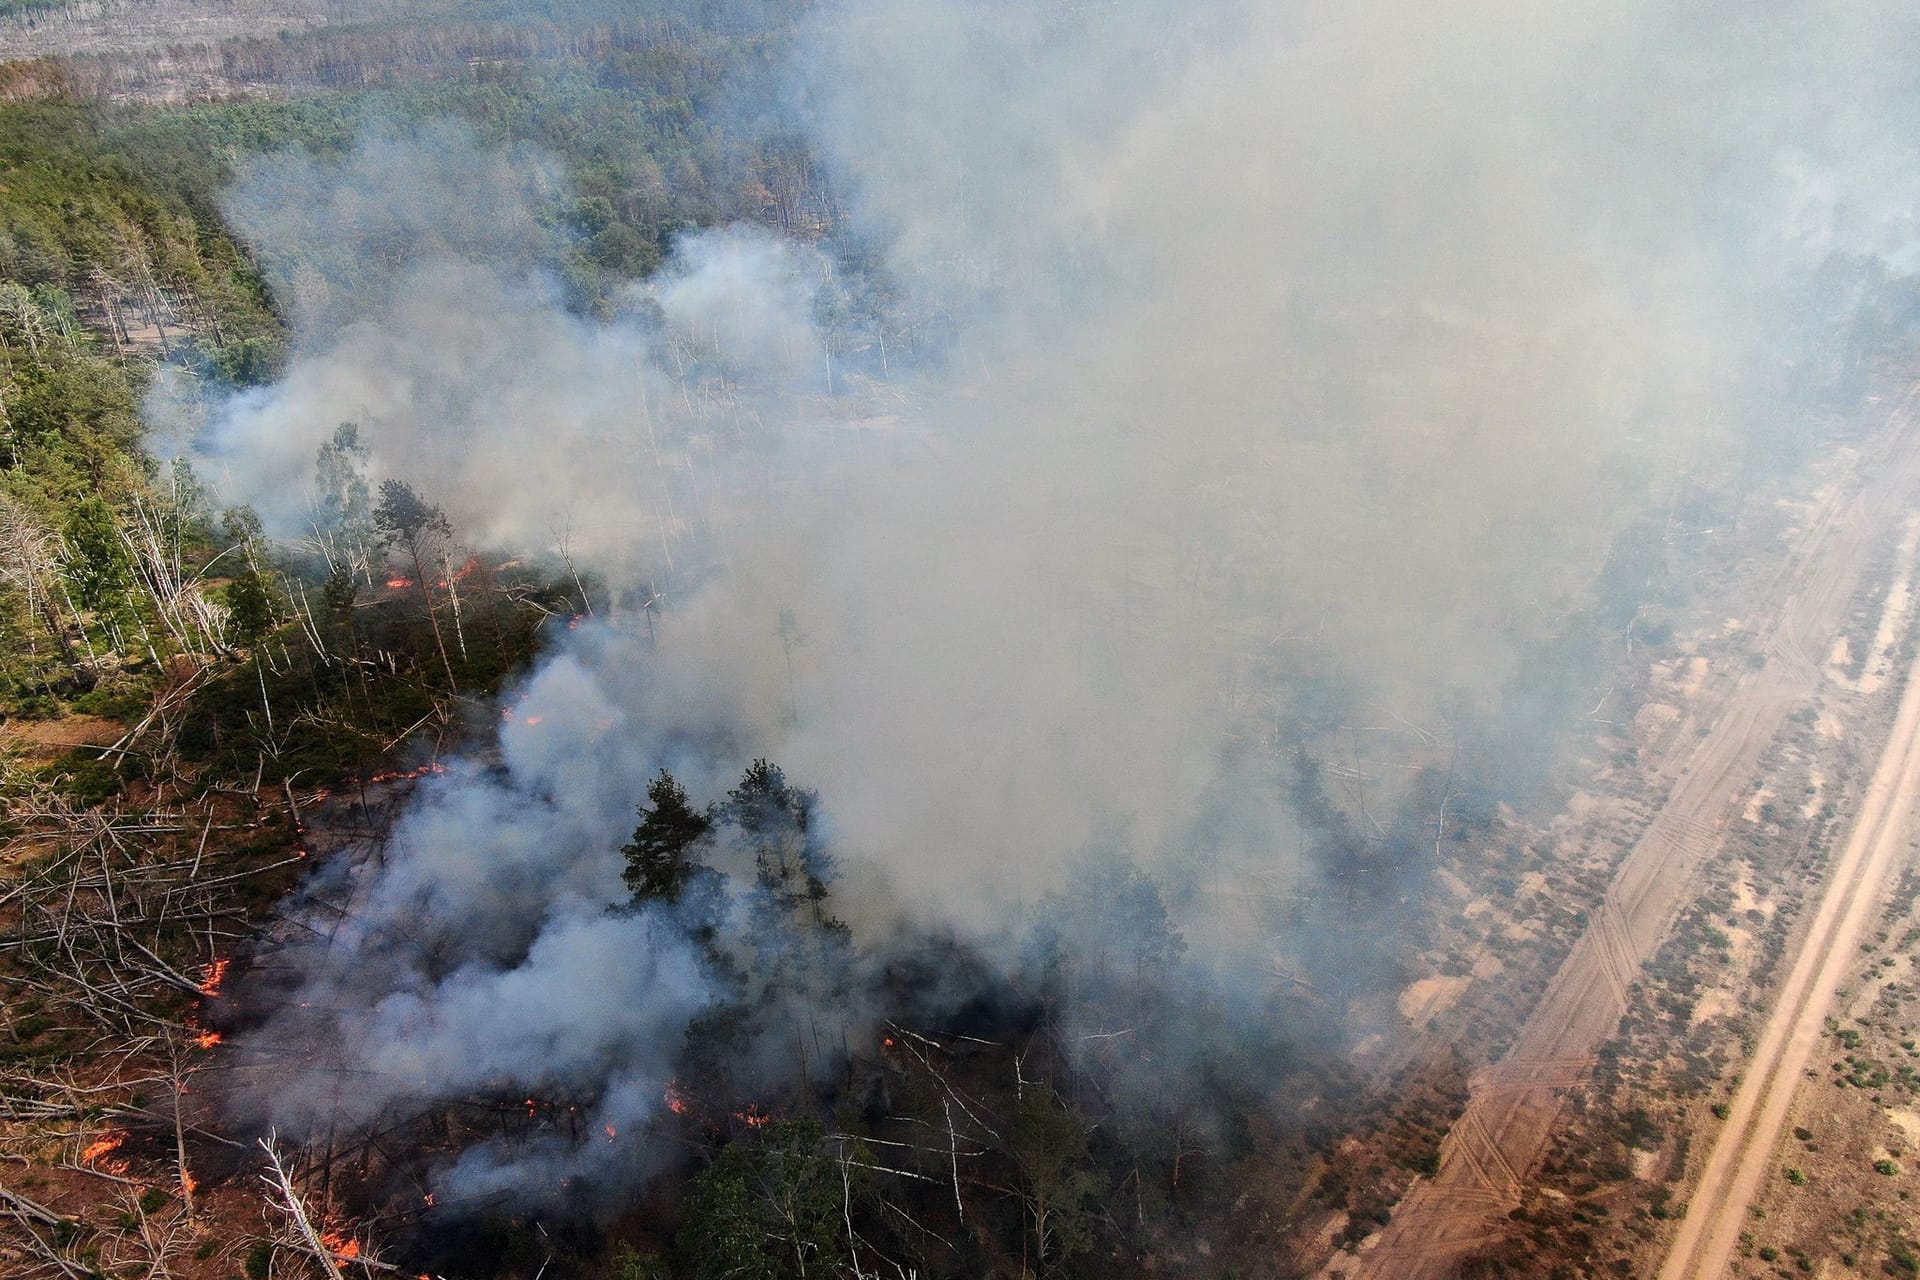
(1176, 364)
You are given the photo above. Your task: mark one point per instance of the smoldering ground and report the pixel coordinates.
(1293, 357)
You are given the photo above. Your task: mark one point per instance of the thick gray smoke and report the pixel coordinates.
(1282, 343)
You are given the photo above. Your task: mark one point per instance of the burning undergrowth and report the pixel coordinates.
(540, 1018)
(1223, 459)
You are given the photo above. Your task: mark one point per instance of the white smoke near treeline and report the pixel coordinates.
(1279, 345)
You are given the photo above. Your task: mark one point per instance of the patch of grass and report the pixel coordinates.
(82, 777)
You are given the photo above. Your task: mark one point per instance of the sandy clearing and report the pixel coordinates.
(1877, 667)
(1715, 1002)
(1500, 1138)
(1425, 998)
(1743, 1152)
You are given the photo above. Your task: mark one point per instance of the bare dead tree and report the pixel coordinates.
(112, 896)
(21, 319)
(277, 1178)
(179, 1069)
(452, 580)
(109, 292)
(563, 543)
(30, 557)
(408, 521)
(35, 1225)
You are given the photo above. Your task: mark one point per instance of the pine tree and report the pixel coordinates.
(97, 563)
(660, 855)
(250, 611)
(769, 1209)
(792, 871)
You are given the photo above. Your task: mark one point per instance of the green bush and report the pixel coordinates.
(85, 779)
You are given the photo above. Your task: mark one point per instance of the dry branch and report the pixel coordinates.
(281, 1182)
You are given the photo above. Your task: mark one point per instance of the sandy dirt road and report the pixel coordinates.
(1744, 1150)
(1502, 1135)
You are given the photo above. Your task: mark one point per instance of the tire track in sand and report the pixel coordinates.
(1744, 1150)
(1445, 1217)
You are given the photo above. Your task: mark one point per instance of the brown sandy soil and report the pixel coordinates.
(1740, 1158)
(1817, 1169)
(1501, 1137)
(50, 737)
(112, 1157)
(1838, 1193)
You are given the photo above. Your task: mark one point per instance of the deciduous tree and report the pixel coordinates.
(342, 519)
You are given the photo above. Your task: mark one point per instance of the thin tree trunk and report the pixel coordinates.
(453, 594)
(433, 619)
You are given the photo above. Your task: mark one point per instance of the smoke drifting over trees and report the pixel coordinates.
(1183, 383)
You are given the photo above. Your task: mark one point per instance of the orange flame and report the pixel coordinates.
(340, 1243)
(400, 581)
(216, 973)
(398, 776)
(207, 1039)
(402, 775)
(676, 1100)
(107, 1144)
(612, 1132)
(324, 794)
(753, 1117)
(532, 720)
